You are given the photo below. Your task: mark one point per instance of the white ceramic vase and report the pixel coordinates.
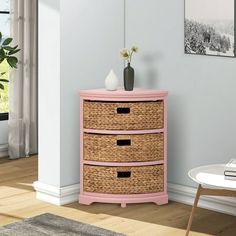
(111, 81)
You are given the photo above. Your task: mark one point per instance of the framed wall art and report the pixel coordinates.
(210, 27)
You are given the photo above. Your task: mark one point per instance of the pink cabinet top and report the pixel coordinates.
(136, 94)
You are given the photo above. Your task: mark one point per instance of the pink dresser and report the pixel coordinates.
(123, 146)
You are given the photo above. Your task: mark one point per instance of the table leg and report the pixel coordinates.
(193, 209)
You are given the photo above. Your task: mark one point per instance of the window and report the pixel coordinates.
(5, 29)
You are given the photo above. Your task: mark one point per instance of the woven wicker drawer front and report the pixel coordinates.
(123, 180)
(123, 116)
(124, 148)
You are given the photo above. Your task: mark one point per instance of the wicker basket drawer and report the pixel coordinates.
(123, 115)
(123, 148)
(123, 180)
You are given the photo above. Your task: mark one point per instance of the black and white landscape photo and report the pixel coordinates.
(210, 27)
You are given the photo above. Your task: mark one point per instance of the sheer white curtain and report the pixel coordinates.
(23, 82)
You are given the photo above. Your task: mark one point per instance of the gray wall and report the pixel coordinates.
(202, 114)
(92, 33)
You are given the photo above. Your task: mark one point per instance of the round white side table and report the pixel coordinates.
(211, 182)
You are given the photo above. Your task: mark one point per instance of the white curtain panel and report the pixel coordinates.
(23, 83)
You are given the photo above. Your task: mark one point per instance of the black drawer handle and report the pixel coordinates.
(123, 174)
(124, 142)
(123, 110)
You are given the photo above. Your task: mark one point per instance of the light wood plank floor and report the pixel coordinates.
(17, 202)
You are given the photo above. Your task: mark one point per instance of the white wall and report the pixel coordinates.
(49, 92)
(201, 110)
(92, 34)
(79, 42)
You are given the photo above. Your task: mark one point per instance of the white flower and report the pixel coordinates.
(127, 54)
(134, 49)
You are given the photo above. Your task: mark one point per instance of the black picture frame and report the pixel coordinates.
(214, 55)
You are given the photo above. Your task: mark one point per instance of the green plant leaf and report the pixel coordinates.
(12, 61)
(0, 36)
(4, 80)
(1, 86)
(2, 54)
(8, 48)
(7, 41)
(13, 52)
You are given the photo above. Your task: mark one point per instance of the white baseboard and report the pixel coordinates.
(3, 150)
(184, 194)
(178, 193)
(55, 195)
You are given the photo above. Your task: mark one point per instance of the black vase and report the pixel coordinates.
(128, 78)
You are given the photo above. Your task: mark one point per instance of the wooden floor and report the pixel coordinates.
(17, 202)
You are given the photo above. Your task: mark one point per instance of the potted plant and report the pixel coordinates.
(7, 53)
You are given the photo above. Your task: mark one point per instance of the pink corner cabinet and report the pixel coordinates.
(123, 146)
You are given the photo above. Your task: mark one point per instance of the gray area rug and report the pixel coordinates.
(48, 224)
